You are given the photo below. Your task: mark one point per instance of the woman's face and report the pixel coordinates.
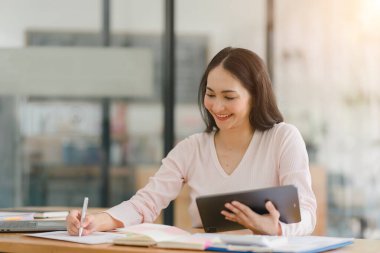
(227, 100)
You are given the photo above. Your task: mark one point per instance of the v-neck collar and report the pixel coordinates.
(217, 162)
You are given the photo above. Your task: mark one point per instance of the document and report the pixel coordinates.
(94, 238)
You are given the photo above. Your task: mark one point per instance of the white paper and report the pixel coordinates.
(94, 238)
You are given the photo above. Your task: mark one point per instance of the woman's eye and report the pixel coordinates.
(229, 98)
(210, 95)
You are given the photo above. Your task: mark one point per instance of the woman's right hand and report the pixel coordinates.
(73, 223)
(92, 223)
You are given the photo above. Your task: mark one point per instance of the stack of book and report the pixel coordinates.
(30, 214)
(25, 220)
(15, 216)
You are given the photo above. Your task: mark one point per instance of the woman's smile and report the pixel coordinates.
(222, 117)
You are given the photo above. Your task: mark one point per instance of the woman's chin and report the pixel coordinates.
(223, 126)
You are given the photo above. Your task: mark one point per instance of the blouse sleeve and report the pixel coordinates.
(294, 170)
(163, 187)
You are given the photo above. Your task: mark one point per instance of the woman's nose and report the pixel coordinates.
(218, 106)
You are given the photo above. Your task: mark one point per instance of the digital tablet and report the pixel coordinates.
(284, 198)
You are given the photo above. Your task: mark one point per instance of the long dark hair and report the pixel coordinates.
(252, 72)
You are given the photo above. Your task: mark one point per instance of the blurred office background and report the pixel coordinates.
(324, 57)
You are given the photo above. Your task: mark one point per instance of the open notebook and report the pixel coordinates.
(94, 238)
(161, 236)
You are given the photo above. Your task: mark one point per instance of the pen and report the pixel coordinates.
(83, 215)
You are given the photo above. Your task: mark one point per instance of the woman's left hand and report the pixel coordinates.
(266, 224)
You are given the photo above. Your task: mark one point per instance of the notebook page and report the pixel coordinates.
(94, 238)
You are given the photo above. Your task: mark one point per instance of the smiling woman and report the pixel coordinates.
(229, 103)
(245, 146)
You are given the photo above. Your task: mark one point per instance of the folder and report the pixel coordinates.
(295, 244)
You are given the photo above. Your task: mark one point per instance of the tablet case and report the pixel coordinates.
(284, 198)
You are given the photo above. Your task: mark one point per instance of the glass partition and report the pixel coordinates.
(55, 77)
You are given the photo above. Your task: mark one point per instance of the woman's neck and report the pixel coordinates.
(234, 138)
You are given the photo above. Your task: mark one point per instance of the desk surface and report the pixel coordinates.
(16, 242)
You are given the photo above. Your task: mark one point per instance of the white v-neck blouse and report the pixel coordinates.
(217, 164)
(274, 157)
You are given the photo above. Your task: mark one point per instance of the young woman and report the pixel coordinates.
(246, 145)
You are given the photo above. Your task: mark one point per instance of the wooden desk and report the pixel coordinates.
(15, 242)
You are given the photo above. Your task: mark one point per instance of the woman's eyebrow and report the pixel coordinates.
(227, 91)
(224, 91)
